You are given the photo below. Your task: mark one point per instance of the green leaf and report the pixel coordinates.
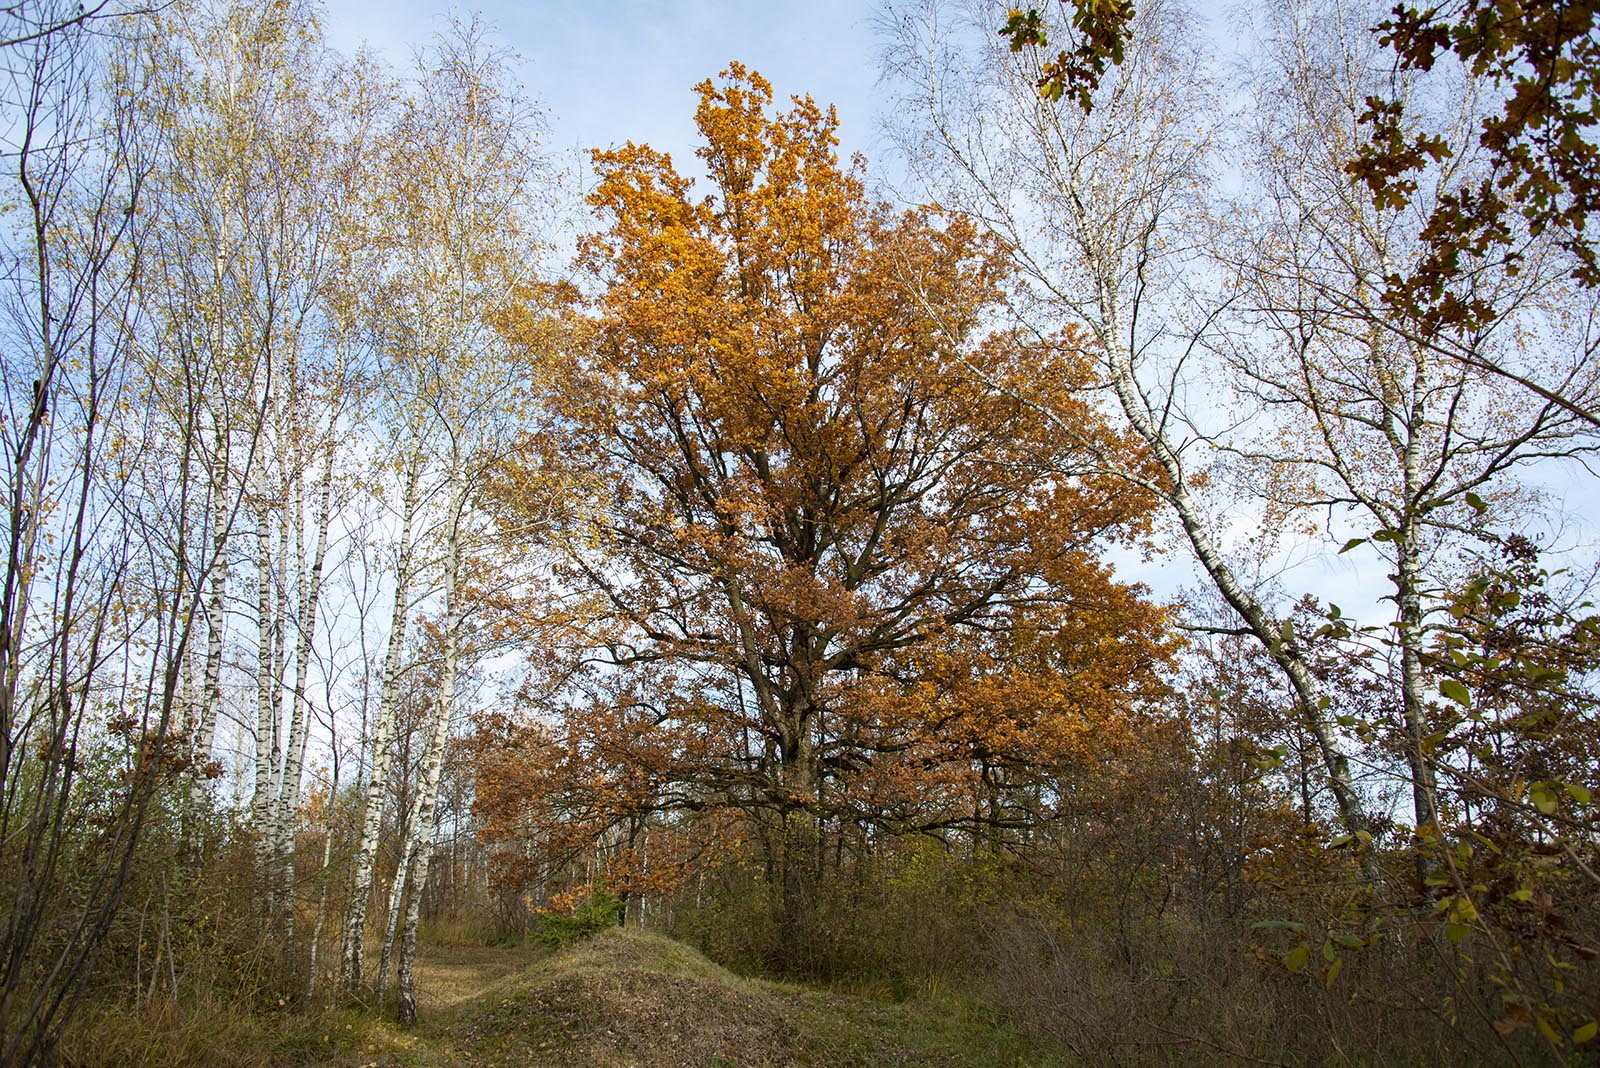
(1455, 932)
(1297, 957)
(1277, 925)
(1586, 1033)
(1456, 692)
(1351, 544)
(1334, 969)
(1578, 793)
(1476, 502)
(1543, 798)
(1349, 941)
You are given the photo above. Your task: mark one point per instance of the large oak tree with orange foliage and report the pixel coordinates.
(828, 528)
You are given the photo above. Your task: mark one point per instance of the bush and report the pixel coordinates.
(601, 911)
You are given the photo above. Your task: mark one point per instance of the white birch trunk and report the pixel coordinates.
(266, 740)
(222, 466)
(418, 853)
(1239, 598)
(382, 738)
(288, 805)
(210, 698)
(1408, 579)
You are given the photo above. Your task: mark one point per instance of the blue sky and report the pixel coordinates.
(606, 74)
(625, 70)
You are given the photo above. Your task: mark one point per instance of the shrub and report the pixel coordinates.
(600, 911)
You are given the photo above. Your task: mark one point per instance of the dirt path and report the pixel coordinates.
(447, 975)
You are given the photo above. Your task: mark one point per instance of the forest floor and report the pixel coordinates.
(619, 1000)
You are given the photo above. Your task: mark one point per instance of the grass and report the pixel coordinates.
(619, 1000)
(644, 1001)
(204, 1034)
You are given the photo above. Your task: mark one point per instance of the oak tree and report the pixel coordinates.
(808, 495)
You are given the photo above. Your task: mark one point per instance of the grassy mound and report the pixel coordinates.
(643, 1001)
(619, 1000)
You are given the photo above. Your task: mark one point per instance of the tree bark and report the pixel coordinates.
(419, 851)
(382, 738)
(288, 802)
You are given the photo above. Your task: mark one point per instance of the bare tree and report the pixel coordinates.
(1105, 210)
(1378, 420)
(103, 574)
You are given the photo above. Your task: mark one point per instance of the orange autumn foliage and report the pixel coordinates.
(840, 567)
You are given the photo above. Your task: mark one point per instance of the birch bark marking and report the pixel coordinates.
(418, 851)
(266, 738)
(382, 736)
(310, 580)
(213, 608)
(1408, 580)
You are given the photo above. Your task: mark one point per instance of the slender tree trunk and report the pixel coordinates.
(266, 708)
(300, 721)
(1408, 589)
(322, 872)
(1240, 599)
(210, 698)
(281, 695)
(382, 738)
(216, 605)
(419, 850)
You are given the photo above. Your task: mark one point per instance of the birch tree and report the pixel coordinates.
(1104, 210)
(254, 206)
(1382, 421)
(103, 576)
(467, 176)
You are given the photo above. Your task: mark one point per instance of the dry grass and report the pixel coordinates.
(644, 1001)
(620, 1000)
(635, 1000)
(448, 975)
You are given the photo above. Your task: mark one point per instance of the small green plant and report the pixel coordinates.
(600, 911)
